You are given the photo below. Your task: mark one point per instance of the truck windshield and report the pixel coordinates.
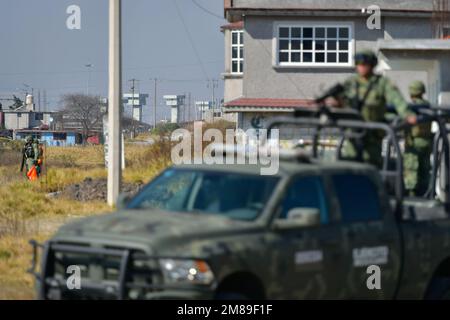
(236, 196)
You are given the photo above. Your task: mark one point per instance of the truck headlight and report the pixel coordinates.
(186, 271)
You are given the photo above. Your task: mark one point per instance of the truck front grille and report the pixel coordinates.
(105, 273)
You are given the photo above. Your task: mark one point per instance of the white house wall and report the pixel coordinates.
(264, 80)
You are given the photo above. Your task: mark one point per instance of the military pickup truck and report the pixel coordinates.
(225, 232)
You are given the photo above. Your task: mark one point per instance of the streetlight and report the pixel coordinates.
(89, 67)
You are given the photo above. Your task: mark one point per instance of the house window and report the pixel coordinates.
(446, 32)
(39, 116)
(237, 51)
(314, 45)
(59, 136)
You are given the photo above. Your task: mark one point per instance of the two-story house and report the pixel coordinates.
(280, 53)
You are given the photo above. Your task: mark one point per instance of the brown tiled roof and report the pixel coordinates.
(233, 26)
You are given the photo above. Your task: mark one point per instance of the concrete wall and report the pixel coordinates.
(36, 123)
(336, 4)
(264, 80)
(14, 121)
(233, 88)
(233, 82)
(407, 28)
(48, 138)
(430, 66)
(245, 120)
(24, 120)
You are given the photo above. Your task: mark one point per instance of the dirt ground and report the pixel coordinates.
(95, 189)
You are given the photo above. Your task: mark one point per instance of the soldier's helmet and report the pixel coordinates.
(366, 57)
(417, 88)
(28, 139)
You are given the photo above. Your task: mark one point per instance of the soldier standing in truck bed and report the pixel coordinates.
(370, 94)
(418, 147)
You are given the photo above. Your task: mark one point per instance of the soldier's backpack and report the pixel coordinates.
(29, 151)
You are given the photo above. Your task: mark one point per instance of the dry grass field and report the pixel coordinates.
(27, 211)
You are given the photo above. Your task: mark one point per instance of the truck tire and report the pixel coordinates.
(439, 289)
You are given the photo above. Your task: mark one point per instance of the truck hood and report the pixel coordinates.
(152, 227)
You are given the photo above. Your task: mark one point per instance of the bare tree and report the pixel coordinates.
(129, 125)
(86, 111)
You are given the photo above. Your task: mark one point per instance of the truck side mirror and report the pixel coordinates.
(299, 218)
(122, 201)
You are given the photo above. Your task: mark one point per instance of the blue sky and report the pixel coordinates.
(38, 49)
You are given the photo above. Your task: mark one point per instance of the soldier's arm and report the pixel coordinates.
(342, 98)
(36, 151)
(395, 98)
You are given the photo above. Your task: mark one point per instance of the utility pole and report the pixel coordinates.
(154, 102)
(189, 107)
(89, 67)
(45, 100)
(115, 102)
(39, 100)
(133, 90)
(214, 84)
(184, 108)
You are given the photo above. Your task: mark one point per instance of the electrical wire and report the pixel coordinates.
(207, 10)
(191, 41)
(105, 71)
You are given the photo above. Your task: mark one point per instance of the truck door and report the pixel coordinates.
(309, 262)
(370, 234)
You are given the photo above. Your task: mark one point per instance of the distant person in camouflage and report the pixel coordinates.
(418, 147)
(30, 153)
(370, 94)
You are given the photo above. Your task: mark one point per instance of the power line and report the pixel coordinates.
(207, 10)
(105, 71)
(191, 41)
(179, 80)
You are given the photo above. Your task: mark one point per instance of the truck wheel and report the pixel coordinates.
(439, 289)
(231, 296)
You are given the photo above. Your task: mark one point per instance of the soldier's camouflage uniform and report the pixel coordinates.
(32, 156)
(373, 107)
(418, 148)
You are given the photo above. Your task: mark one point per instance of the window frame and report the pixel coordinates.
(369, 178)
(297, 24)
(59, 136)
(38, 116)
(131, 204)
(239, 45)
(325, 194)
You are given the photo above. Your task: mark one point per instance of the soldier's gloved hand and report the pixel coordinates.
(411, 120)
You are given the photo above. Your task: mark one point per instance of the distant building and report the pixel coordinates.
(52, 138)
(208, 113)
(135, 101)
(24, 119)
(175, 102)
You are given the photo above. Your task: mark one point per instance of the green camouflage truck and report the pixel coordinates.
(315, 230)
